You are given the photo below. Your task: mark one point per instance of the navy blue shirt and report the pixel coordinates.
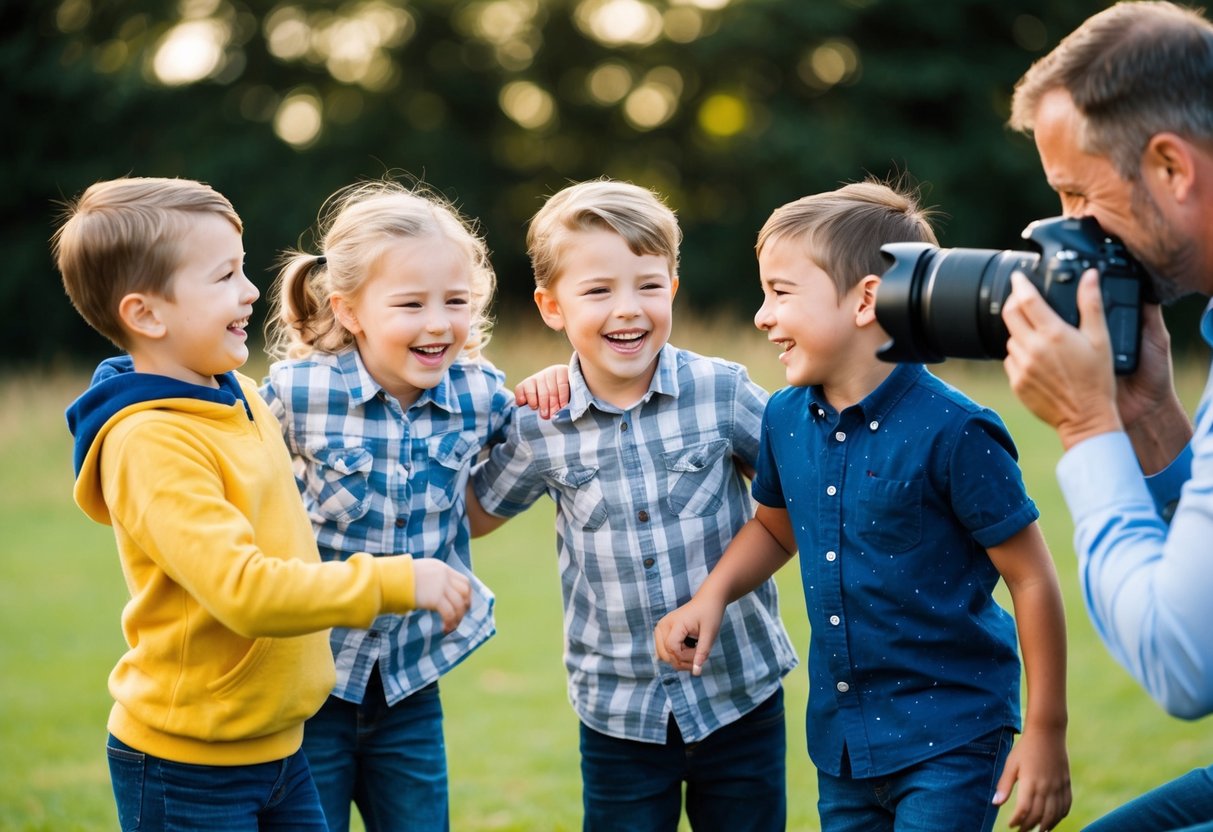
(893, 502)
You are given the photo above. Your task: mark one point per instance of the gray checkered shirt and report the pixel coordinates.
(379, 479)
(647, 500)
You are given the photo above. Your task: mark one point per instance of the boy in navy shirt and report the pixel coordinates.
(905, 501)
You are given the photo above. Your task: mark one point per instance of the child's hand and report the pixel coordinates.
(547, 391)
(1040, 765)
(685, 637)
(440, 588)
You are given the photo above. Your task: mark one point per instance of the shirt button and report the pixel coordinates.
(623, 425)
(400, 521)
(873, 424)
(831, 491)
(840, 436)
(642, 516)
(831, 556)
(843, 687)
(648, 563)
(835, 620)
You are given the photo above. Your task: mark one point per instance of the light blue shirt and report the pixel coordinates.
(647, 499)
(379, 478)
(1147, 583)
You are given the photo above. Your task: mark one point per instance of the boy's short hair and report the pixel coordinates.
(636, 214)
(843, 230)
(122, 236)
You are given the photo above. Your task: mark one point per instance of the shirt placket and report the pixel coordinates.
(832, 620)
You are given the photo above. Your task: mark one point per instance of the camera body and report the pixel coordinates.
(937, 303)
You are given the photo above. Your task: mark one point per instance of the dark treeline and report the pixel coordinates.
(728, 108)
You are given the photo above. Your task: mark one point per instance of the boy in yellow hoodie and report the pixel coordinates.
(228, 653)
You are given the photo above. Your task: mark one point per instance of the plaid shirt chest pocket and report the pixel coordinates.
(340, 486)
(695, 478)
(443, 462)
(579, 492)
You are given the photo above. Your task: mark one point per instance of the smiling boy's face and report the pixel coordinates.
(802, 313)
(616, 308)
(201, 332)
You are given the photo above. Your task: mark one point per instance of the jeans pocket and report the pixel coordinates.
(126, 776)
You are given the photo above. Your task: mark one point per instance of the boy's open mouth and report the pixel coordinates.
(627, 342)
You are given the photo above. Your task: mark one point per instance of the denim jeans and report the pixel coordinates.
(164, 796)
(735, 778)
(947, 793)
(388, 761)
(1183, 805)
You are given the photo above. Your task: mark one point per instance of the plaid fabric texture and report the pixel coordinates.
(647, 500)
(377, 478)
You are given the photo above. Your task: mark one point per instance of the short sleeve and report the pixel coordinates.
(984, 481)
(768, 488)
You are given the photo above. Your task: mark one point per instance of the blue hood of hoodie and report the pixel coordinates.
(116, 386)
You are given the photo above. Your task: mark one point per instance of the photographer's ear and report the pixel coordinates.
(1168, 164)
(865, 310)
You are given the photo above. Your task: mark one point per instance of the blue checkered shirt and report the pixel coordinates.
(647, 500)
(376, 478)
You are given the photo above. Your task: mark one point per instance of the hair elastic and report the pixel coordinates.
(321, 260)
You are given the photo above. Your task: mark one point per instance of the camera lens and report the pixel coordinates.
(938, 303)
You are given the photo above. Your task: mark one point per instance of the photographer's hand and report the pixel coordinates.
(1063, 374)
(1150, 409)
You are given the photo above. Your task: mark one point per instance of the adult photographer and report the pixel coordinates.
(1122, 116)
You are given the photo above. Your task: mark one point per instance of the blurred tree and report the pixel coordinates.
(728, 107)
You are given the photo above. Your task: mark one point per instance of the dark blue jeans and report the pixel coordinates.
(388, 761)
(1183, 805)
(947, 793)
(163, 796)
(735, 778)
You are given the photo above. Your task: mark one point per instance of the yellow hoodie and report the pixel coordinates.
(230, 603)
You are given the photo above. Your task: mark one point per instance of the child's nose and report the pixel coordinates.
(762, 318)
(251, 292)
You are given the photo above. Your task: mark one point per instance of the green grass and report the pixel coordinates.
(512, 736)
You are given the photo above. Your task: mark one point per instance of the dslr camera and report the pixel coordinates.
(937, 303)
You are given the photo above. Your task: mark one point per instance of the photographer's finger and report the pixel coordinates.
(1091, 318)
(1025, 304)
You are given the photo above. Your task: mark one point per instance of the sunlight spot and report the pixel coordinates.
(190, 51)
(649, 105)
(682, 24)
(723, 115)
(298, 119)
(619, 22)
(609, 82)
(287, 33)
(527, 104)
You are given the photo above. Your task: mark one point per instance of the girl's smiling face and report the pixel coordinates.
(412, 314)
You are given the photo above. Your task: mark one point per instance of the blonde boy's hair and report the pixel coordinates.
(842, 230)
(357, 224)
(122, 236)
(636, 214)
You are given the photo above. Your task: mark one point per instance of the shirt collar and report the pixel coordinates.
(1206, 324)
(664, 382)
(879, 402)
(363, 387)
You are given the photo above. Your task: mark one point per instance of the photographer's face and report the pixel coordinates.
(1090, 185)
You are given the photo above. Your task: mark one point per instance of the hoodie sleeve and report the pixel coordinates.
(232, 533)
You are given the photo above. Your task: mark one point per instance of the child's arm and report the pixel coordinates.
(762, 546)
(546, 391)
(1038, 761)
(480, 521)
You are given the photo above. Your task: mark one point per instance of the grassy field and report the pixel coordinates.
(511, 734)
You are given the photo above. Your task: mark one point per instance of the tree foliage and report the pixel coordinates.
(728, 108)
